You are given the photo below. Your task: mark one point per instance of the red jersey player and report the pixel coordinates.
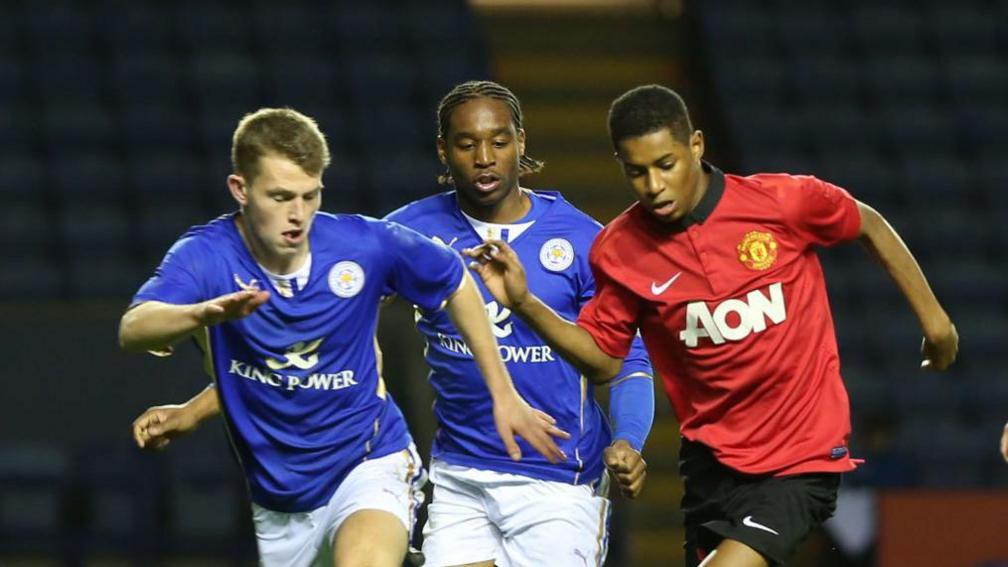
(720, 276)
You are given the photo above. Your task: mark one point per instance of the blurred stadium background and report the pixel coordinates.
(115, 124)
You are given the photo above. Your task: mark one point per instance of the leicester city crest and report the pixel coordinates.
(556, 255)
(346, 278)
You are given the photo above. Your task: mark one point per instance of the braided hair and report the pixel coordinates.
(471, 90)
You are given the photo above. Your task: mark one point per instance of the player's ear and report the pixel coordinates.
(697, 145)
(238, 188)
(441, 152)
(521, 141)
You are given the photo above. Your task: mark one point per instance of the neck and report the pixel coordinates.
(703, 180)
(280, 265)
(510, 209)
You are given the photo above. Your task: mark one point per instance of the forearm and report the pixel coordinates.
(572, 342)
(889, 250)
(204, 405)
(153, 325)
(631, 408)
(466, 310)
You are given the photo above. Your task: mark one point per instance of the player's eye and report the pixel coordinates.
(500, 143)
(667, 166)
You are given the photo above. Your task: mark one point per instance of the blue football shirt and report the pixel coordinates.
(553, 246)
(298, 380)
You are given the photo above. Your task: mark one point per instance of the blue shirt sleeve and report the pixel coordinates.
(631, 408)
(423, 272)
(176, 280)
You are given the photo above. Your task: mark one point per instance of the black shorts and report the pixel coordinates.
(769, 514)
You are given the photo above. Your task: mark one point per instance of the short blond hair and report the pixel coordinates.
(283, 132)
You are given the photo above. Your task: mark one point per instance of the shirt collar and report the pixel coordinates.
(706, 206)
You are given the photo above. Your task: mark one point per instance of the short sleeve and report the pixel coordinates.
(610, 316)
(423, 272)
(819, 212)
(636, 361)
(176, 280)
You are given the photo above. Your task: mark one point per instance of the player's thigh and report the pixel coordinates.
(288, 539)
(458, 529)
(552, 523)
(370, 538)
(731, 553)
(773, 516)
(373, 510)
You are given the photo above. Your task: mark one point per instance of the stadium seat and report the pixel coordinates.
(142, 78)
(157, 127)
(64, 78)
(229, 77)
(206, 500)
(298, 27)
(903, 79)
(59, 26)
(879, 29)
(961, 29)
(87, 125)
(122, 506)
(13, 80)
(823, 78)
(981, 79)
(203, 27)
(34, 489)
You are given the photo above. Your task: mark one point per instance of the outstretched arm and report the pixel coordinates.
(155, 326)
(941, 341)
(502, 272)
(512, 415)
(157, 426)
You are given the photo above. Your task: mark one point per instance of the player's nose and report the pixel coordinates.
(484, 155)
(654, 183)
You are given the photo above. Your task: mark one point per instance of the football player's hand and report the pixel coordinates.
(1004, 443)
(627, 465)
(157, 426)
(939, 349)
(501, 270)
(513, 416)
(230, 306)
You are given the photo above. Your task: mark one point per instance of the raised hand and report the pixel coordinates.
(513, 416)
(501, 270)
(231, 306)
(627, 465)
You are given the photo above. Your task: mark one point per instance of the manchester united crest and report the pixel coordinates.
(758, 250)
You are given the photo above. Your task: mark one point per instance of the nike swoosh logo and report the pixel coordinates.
(660, 289)
(748, 521)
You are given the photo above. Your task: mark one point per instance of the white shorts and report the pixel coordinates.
(391, 483)
(516, 521)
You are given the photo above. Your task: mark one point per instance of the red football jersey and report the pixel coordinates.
(731, 304)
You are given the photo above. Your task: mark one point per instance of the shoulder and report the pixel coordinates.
(773, 185)
(562, 209)
(623, 234)
(204, 239)
(422, 210)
